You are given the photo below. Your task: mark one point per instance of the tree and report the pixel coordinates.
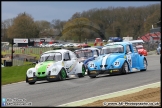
(58, 25)
(76, 27)
(44, 28)
(4, 28)
(23, 27)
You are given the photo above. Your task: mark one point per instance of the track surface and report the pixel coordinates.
(45, 93)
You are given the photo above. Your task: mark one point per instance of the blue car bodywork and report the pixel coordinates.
(87, 54)
(117, 58)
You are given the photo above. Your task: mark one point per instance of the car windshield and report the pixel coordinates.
(84, 53)
(51, 57)
(112, 49)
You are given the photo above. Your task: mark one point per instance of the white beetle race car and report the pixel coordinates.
(55, 65)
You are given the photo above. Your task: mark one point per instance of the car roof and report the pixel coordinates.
(91, 48)
(121, 43)
(58, 50)
(136, 41)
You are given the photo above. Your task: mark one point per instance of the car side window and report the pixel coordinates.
(96, 52)
(67, 56)
(128, 49)
(73, 55)
(134, 49)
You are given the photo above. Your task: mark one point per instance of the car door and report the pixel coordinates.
(129, 56)
(135, 56)
(68, 63)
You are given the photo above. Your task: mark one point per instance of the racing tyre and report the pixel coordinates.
(31, 83)
(83, 72)
(62, 74)
(125, 68)
(26, 79)
(92, 76)
(145, 65)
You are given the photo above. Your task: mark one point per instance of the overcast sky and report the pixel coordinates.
(59, 10)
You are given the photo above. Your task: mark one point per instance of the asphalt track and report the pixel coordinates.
(59, 93)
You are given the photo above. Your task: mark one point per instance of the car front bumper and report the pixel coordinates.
(48, 78)
(97, 72)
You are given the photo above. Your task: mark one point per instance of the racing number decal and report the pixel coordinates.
(129, 60)
(117, 63)
(92, 65)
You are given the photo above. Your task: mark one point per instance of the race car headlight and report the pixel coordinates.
(54, 70)
(30, 72)
(48, 66)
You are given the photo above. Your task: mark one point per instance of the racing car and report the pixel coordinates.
(139, 45)
(141, 50)
(55, 65)
(87, 54)
(117, 58)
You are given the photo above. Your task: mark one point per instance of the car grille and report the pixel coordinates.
(102, 66)
(39, 73)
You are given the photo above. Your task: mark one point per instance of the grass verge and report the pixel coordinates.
(14, 74)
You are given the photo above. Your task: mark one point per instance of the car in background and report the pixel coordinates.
(158, 49)
(117, 58)
(87, 54)
(139, 45)
(84, 45)
(141, 50)
(55, 65)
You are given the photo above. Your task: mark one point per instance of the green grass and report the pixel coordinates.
(14, 74)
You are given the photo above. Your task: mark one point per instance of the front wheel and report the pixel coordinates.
(62, 74)
(28, 81)
(83, 72)
(125, 68)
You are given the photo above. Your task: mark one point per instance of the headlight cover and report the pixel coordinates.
(54, 70)
(30, 72)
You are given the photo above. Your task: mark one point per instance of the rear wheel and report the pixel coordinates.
(83, 72)
(62, 74)
(145, 65)
(125, 68)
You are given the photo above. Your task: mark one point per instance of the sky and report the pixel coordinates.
(62, 10)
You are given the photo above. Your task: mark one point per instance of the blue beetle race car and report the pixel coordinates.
(117, 58)
(87, 54)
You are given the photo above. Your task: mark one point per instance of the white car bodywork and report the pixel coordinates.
(67, 60)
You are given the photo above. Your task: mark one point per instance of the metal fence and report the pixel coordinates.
(23, 54)
(150, 46)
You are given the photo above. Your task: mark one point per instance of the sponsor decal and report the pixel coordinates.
(30, 79)
(52, 76)
(115, 70)
(93, 72)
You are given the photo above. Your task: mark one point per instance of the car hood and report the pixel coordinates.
(82, 59)
(41, 67)
(108, 58)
